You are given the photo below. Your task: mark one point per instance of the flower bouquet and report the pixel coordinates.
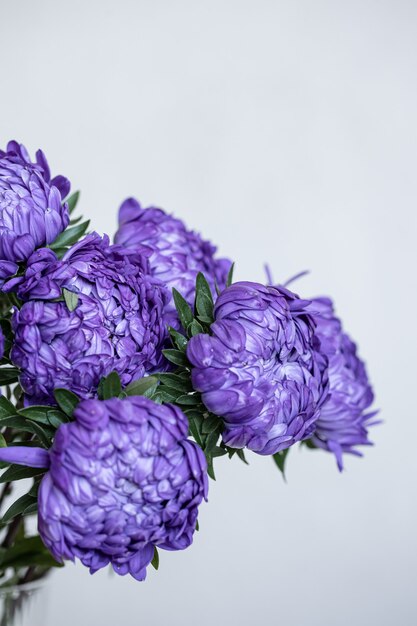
(128, 368)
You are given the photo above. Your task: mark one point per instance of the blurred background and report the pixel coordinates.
(284, 131)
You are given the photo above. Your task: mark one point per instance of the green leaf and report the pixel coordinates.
(56, 418)
(70, 235)
(17, 508)
(66, 400)
(195, 431)
(309, 444)
(203, 299)
(176, 356)
(44, 415)
(211, 424)
(189, 400)
(241, 456)
(142, 387)
(3, 442)
(18, 472)
(218, 451)
(72, 201)
(195, 328)
(71, 299)
(6, 408)
(175, 382)
(27, 551)
(60, 253)
(42, 434)
(230, 275)
(18, 422)
(280, 460)
(184, 311)
(165, 395)
(32, 508)
(211, 442)
(8, 375)
(210, 468)
(36, 413)
(178, 340)
(155, 560)
(76, 220)
(110, 386)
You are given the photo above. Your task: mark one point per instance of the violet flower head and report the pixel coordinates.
(344, 418)
(114, 323)
(260, 369)
(122, 479)
(176, 253)
(32, 212)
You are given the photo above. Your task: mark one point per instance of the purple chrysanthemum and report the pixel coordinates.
(116, 323)
(32, 212)
(176, 254)
(123, 478)
(259, 369)
(344, 417)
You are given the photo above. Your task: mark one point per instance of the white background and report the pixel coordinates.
(285, 132)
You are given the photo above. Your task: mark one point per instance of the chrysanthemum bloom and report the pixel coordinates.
(259, 369)
(32, 212)
(344, 418)
(122, 479)
(177, 254)
(116, 323)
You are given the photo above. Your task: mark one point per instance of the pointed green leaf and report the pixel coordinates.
(67, 400)
(32, 508)
(175, 382)
(178, 340)
(6, 408)
(280, 460)
(189, 400)
(142, 387)
(230, 275)
(72, 201)
(210, 468)
(76, 220)
(8, 375)
(44, 415)
(110, 386)
(17, 508)
(176, 357)
(155, 559)
(71, 299)
(218, 452)
(18, 472)
(211, 442)
(70, 235)
(42, 434)
(203, 299)
(195, 328)
(241, 456)
(211, 424)
(184, 311)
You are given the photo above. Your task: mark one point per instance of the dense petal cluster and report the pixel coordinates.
(116, 324)
(32, 212)
(176, 254)
(122, 479)
(259, 369)
(344, 418)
